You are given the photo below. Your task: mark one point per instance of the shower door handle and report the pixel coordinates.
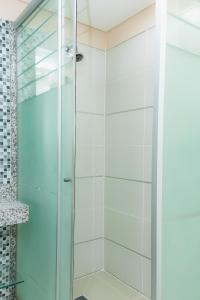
(67, 180)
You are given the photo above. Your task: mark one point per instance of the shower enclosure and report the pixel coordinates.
(90, 218)
(111, 238)
(108, 145)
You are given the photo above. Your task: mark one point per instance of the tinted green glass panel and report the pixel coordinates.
(45, 152)
(37, 186)
(181, 164)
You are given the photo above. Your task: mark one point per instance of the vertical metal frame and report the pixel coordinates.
(157, 165)
(61, 6)
(59, 147)
(74, 140)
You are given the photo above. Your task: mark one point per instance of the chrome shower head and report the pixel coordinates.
(79, 56)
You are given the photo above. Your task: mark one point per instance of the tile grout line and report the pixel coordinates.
(129, 110)
(88, 241)
(130, 286)
(89, 113)
(87, 275)
(114, 242)
(114, 177)
(134, 36)
(120, 245)
(129, 179)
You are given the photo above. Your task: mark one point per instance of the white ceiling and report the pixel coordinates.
(106, 14)
(101, 14)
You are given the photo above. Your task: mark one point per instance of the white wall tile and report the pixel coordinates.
(131, 128)
(127, 214)
(146, 277)
(89, 130)
(129, 162)
(90, 161)
(146, 239)
(125, 129)
(130, 74)
(130, 96)
(124, 264)
(89, 193)
(89, 209)
(85, 161)
(99, 161)
(90, 83)
(127, 57)
(128, 231)
(124, 229)
(148, 126)
(147, 163)
(130, 91)
(130, 85)
(88, 257)
(129, 267)
(147, 202)
(149, 90)
(150, 47)
(127, 135)
(88, 225)
(124, 196)
(126, 92)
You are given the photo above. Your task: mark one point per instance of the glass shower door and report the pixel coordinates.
(45, 107)
(179, 204)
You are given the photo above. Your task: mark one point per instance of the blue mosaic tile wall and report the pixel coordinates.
(8, 128)
(8, 147)
(5, 99)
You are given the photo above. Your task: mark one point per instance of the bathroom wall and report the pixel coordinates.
(7, 150)
(129, 118)
(90, 161)
(113, 208)
(129, 115)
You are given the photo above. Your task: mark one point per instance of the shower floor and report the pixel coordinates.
(104, 286)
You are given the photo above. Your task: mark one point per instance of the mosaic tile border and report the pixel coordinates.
(8, 190)
(7, 260)
(5, 99)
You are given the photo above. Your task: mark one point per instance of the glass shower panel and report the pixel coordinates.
(45, 107)
(180, 253)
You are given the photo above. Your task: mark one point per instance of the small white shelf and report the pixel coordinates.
(13, 212)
